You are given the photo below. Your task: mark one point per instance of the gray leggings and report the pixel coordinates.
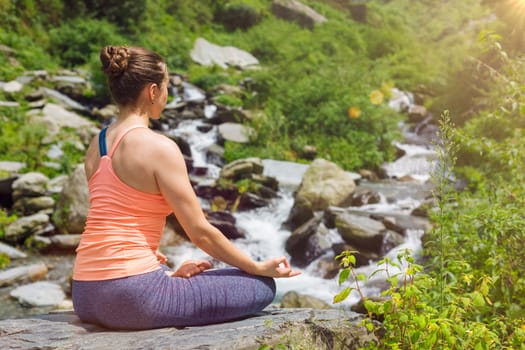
(154, 300)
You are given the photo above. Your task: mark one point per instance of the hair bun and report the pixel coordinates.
(114, 60)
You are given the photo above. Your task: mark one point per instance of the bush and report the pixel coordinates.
(75, 42)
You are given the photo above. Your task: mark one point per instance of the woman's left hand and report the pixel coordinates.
(191, 268)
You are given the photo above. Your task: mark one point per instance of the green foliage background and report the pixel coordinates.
(454, 55)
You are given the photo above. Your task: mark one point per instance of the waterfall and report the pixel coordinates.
(265, 236)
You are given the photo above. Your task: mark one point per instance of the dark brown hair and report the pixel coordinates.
(129, 70)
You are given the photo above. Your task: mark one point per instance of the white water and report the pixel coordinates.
(265, 238)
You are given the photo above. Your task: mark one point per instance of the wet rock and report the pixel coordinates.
(363, 257)
(295, 300)
(417, 113)
(327, 267)
(360, 231)
(225, 222)
(39, 294)
(242, 169)
(215, 155)
(308, 242)
(19, 274)
(363, 197)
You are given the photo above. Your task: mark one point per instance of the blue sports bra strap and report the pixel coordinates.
(102, 142)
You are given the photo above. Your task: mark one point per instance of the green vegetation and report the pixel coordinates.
(309, 80)
(328, 88)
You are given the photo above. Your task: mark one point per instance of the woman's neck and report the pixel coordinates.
(128, 117)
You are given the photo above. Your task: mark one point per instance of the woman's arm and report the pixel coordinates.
(174, 184)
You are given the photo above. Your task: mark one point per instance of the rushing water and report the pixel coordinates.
(265, 236)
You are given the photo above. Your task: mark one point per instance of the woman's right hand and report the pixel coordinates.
(276, 267)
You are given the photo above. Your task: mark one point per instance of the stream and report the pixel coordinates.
(265, 236)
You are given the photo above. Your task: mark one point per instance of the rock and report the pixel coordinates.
(208, 54)
(242, 169)
(363, 197)
(295, 300)
(64, 100)
(106, 113)
(416, 113)
(12, 87)
(234, 132)
(73, 203)
(39, 294)
(11, 252)
(307, 242)
(363, 257)
(323, 184)
(400, 101)
(56, 184)
(360, 231)
(30, 185)
(65, 242)
(11, 167)
(56, 117)
(215, 155)
(295, 11)
(31, 272)
(311, 329)
(24, 227)
(11, 104)
(32, 205)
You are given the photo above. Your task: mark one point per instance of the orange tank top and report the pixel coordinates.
(123, 227)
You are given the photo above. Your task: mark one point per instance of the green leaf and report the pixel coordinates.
(343, 276)
(342, 295)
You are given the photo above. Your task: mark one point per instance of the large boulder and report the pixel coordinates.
(324, 184)
(73, 203)
(304, 328)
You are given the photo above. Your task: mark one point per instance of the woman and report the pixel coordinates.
(136, 177)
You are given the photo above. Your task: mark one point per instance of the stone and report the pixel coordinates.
(242, 168)
(295, 11)
(12, 87)
(18, 274)
(39, 294)
(73, 203)
(208, 54)
(296, 300)
(235, 132)
(25, 226)
(11, 252)
(30, 185)
(361, 231)
(56, 117)
(309, 328)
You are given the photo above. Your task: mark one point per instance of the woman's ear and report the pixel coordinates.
(152, 92)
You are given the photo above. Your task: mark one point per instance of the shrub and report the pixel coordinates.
(76, 41)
